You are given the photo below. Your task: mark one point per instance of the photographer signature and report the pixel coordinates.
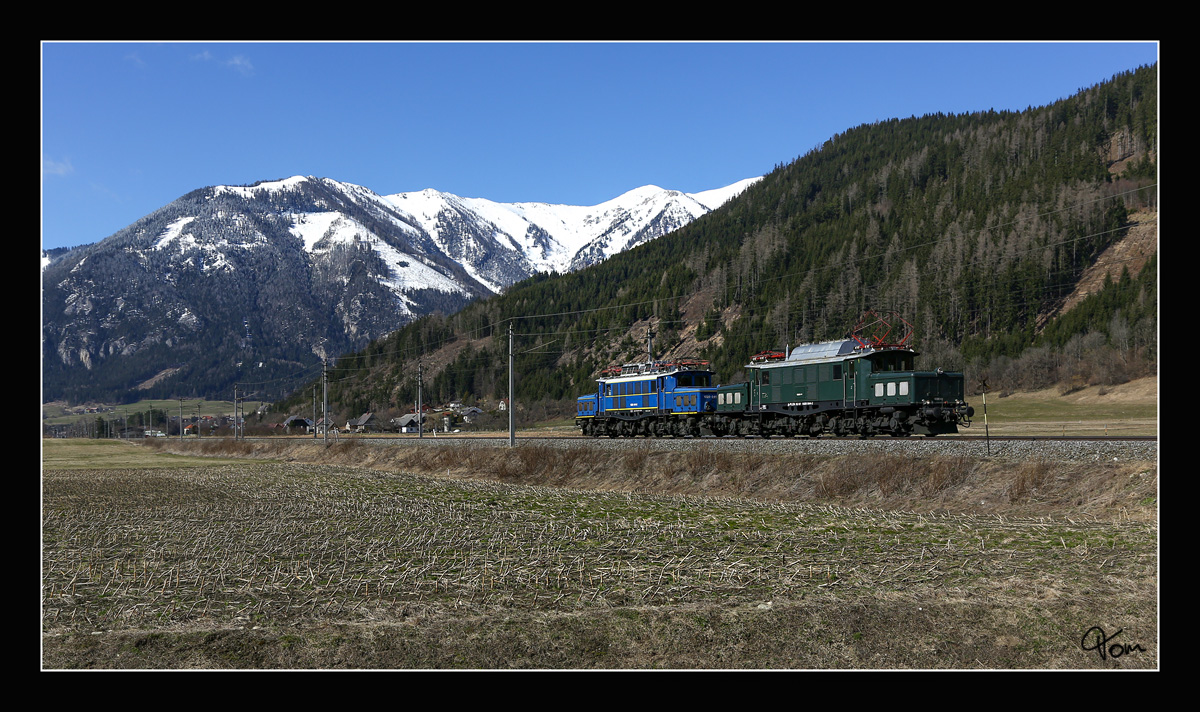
(1100, 643)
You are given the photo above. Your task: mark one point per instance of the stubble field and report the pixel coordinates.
(367, 557)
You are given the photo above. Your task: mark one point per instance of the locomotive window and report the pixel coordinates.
(766, 377)
(693, 399)
(903, 388)
(878, 390)
(737, 397)
(891, 389)
(837, 371)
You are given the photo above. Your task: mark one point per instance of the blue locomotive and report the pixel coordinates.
(652, 399)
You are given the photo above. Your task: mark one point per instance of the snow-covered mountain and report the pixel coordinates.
(501, 243)
(230, 278)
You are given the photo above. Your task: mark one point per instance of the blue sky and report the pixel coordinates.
(129, 127)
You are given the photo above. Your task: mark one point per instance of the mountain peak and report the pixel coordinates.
(283, 271)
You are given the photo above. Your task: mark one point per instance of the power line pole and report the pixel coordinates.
(987, 435)
(180, 420)
(420, 403)
(512, 431)
(324, 402)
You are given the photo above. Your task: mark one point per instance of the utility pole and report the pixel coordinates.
(987, 436)
(324, 402)
(181, 420)
(420, 403)
(512, 431)
(314, 419)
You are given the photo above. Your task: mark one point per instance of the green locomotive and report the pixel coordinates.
(864, 385)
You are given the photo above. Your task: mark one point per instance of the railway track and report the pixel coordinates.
(710, 438)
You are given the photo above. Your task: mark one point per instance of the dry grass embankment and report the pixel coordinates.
(954, 484)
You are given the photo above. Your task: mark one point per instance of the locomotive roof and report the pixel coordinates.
(826, 351)
(638, 371)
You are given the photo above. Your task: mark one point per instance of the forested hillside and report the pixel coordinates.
(976, 228)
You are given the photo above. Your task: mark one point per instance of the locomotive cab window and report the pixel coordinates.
(895, 361)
